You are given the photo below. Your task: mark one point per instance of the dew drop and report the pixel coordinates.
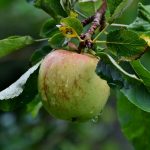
(95, 119)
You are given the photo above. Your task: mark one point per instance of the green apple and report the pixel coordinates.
(69, 86)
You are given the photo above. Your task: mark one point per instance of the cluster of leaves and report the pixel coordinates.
(120, 62)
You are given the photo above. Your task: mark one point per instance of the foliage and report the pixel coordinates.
(82, 26)
(135, 131)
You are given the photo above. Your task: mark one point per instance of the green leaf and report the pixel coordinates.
(142, 72)
(21, 92)
(115, 75)
(139, 25)
(128, 84)
(144, 12)
(57, 41)
(89, 7)
(145, 59)
(73, 23)
(5, 3)
(126, 45)
(134, 122)
(68, 5)
(112, 4)
(14, 43)
(142, 22)
(52, 7)
(49, 28)
(40, 54)
(34, 106)
(138, 95)
(117, 7)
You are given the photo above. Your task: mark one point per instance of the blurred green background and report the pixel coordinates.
(19, 130)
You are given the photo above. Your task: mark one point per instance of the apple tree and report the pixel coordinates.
(84, 54)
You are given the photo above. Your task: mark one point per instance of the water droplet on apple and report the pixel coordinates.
(95, 119)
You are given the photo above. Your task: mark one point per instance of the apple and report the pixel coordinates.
(69, 87)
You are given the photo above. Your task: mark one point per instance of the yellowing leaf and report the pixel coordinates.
(73, 23)
(73, 14)
(68, 31)
(146, 38)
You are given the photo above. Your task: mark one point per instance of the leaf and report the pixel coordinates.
(145, 59)
(146, 36)
(115, 75)
(138, 95)
(128, 84)
(40, 54)
(49, 28)
(34, 106)
(142, 72)
(52, 7)
(144, 12)
(68, 31)
(142, 22)
(74, 23)
(89, 7)
(21, 92)
(117, 7)
(126, 45)
(14, 43)
(134, 123)
(5, 3)
(68, 5)
(57, 41)
(112, 4)
(139, 25)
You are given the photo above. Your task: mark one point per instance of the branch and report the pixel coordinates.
(88, 20)
(97, 20)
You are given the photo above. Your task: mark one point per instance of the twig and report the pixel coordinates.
(102, 23)
(88, 20)
(97, 19)
(97, 22)
(101, 32)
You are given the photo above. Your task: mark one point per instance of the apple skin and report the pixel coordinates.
(69, 86)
